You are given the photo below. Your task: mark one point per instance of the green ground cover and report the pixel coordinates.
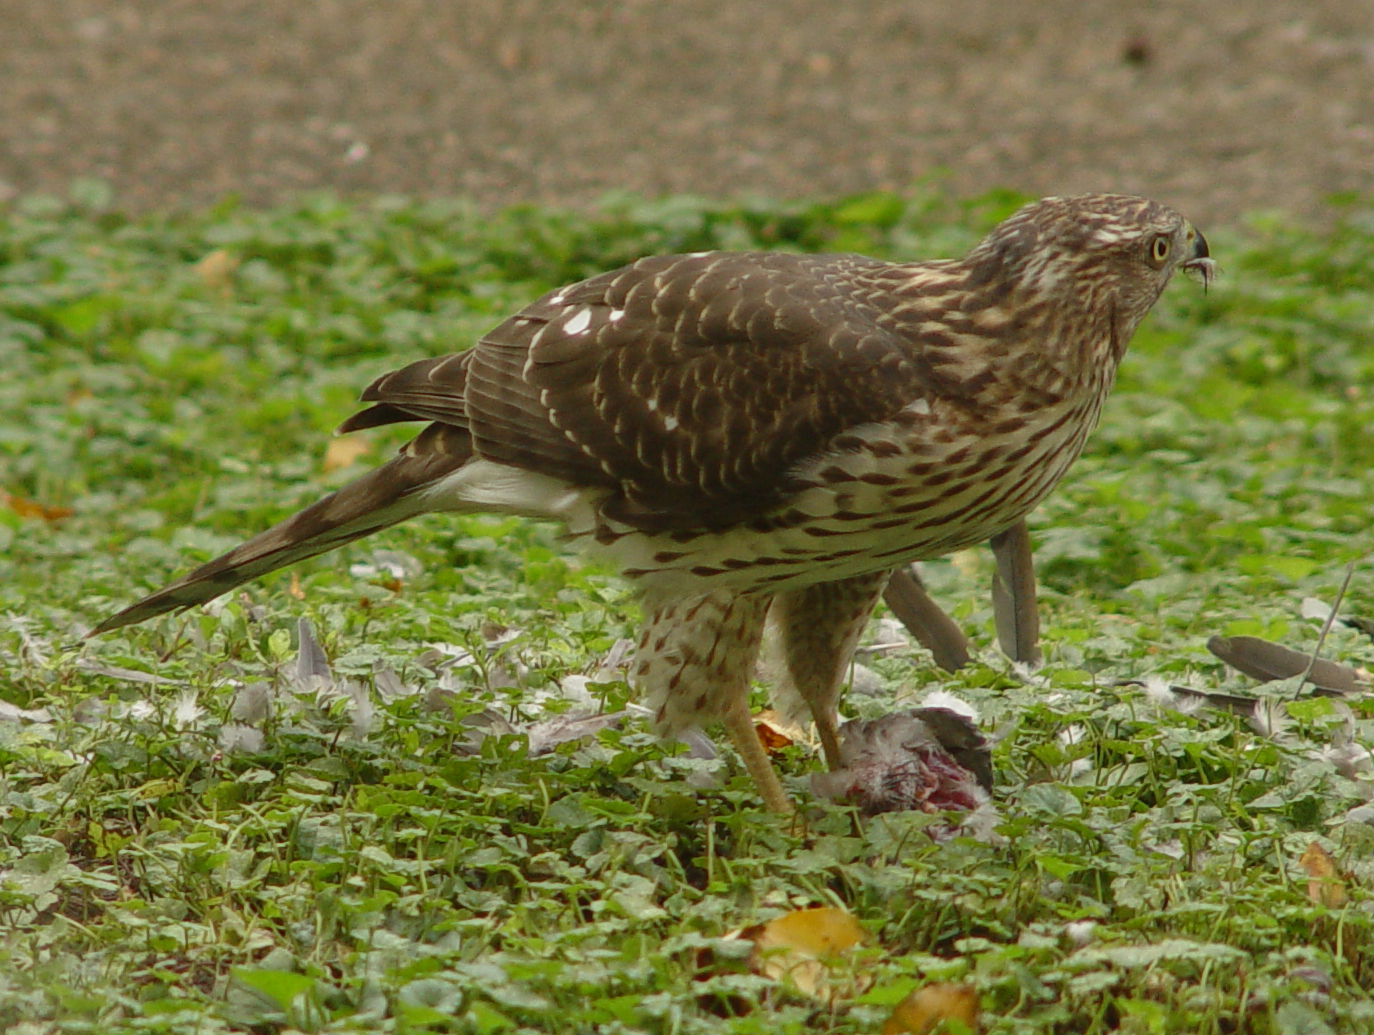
(194, 839)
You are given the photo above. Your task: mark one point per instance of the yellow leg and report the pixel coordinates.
(740, 725)
(818, 627)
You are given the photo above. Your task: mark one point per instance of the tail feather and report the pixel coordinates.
(379, 499)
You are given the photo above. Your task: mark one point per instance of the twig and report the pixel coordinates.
(1326, 626)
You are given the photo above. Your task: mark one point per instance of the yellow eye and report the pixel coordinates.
(1159, 251)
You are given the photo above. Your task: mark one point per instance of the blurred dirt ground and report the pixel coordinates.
(1217, 108)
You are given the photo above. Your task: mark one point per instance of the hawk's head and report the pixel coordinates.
(1094, 252)
(1086, 269)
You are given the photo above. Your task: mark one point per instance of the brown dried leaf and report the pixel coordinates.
(943, 1007)
(808, 950)
(1326, 884)
(27, 508)
(216, 270)
(775, 732)
(342, 452)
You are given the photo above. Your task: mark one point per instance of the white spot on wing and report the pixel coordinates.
(920, 406)
(671, 423)
(558, 299)
(578, 323)
(615, 315)
(652, 403)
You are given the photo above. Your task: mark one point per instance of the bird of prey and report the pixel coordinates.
(760, 439)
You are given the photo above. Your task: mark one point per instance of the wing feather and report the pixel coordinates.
(691, 386)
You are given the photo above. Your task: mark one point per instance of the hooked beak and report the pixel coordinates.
(1200, 263)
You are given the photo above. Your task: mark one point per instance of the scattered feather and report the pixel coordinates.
(1269, 718)
(863, 680)
(13, 713)
(888, 632)
(544, 736)
(698, 744)
(127, 675)
(236, 738)
(945, 700)
(574, 689)
(186, 710)
(312, 667)
(478, 726)
(1166, 697)
(1267, 661)
(439, 699)
(1071, 736)
(614, 664)
(390, 686)
(363, 713)
(1317, 610)
(33, 650)
(1080, 932)
(1015, 613)
(907, 599)
(1362, 814)
(252, 704)
(1351, 759)
(1171, 697)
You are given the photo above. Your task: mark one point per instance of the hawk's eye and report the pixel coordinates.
(1159, 251)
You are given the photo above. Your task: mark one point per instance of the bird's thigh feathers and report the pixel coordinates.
(696, 655)
(810, 639)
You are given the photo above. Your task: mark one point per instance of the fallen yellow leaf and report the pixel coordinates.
(1325, 884)
(342, 452)
(27, 508)
(216, 270)
(951, 1005)
(807, 950)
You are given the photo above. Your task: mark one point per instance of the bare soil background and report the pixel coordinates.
(1217, 108)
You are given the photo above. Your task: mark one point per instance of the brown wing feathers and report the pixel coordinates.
(428, 389)
(694, 384)
(688, 385)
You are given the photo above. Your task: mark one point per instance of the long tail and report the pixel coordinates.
(379, 499)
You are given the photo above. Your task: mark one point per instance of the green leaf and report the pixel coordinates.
(281, 986)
